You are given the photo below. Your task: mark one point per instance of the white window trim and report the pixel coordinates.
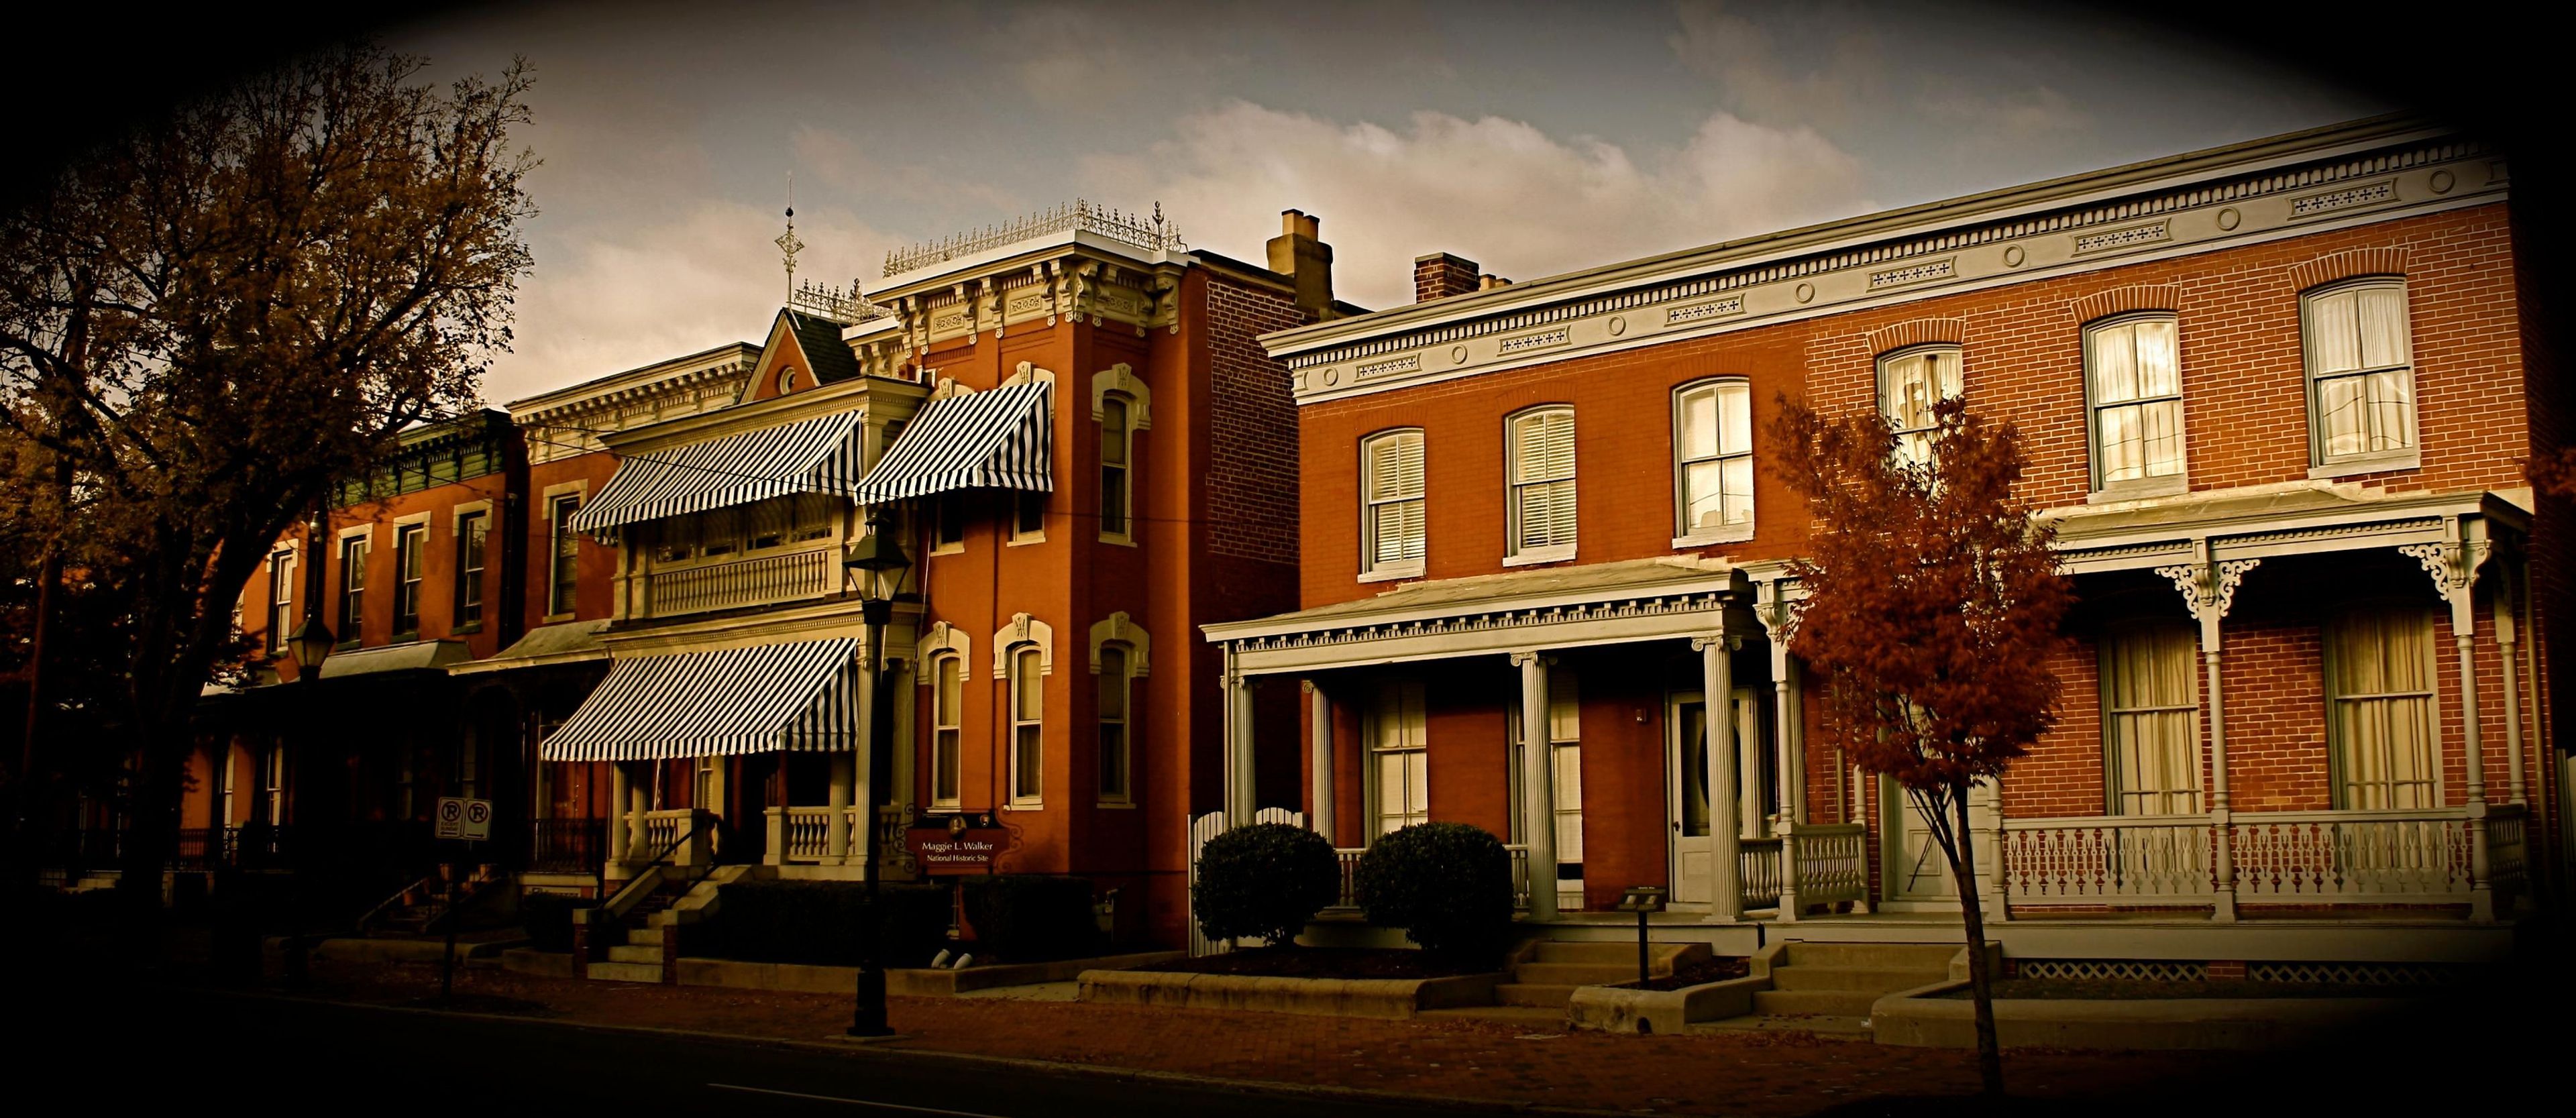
(1126, 472)
(1126, 722)
(1371, 715)
(2112, 793)
(1019, 538)
(932, 663)
(1023, 629)
(2370, 462)
(2100, 492)
(1515, 555)
(418, 520)
(546, 507)
(1123, 629)
(1879, 382)
(283, 564)
(2336, 749)
(1010, 679)
(1730, 533)
(1371, 571)
(939, 503)
(340, 552)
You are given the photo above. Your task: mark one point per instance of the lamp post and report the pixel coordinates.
(880, 562)
(309, 644)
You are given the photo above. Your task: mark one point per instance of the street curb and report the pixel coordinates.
(1239, 1086)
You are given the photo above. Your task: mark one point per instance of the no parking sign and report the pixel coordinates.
(460, 818)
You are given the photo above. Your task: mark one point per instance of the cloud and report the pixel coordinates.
(1831, 66)
(1502, 192)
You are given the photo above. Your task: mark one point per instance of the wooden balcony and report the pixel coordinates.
(761, 580)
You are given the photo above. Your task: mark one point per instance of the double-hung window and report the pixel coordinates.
(2361, 372)
(1910, 383)
(2133, 380)
(1028, 517)
(353, 587)
(1541, 471)
(2150, 720)
(409, 542)
(561, 587)
(473, 533)
(1400, 757)
(948, 523)
(947, 704)
(1114, 720)
(1116, 444)
(2380, 691)
(281, 599)
(1713, 460)
(1028, 713)
(1391, 523)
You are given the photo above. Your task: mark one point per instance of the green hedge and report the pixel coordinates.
(1264, 881)
(1031, 918)
(1448, 885)
(817, 922)
(547, 917)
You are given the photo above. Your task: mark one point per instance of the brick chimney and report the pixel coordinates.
(1300, 254)
(1441, 275)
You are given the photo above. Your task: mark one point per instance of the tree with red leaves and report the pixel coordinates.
(1932, 608)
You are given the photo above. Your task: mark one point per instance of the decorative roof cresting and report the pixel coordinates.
(1146, 232)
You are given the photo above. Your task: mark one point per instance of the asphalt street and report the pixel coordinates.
(218, 1053)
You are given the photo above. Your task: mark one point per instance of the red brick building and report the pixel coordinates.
(2277, 399)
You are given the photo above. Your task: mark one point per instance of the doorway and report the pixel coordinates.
(1686, 783)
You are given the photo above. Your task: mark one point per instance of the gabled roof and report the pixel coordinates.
(820, 338)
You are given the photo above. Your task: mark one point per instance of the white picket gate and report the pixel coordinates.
(1209, 826)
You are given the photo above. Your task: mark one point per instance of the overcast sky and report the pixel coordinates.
(1532, 138)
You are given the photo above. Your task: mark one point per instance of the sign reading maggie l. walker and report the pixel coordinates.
(940, 850)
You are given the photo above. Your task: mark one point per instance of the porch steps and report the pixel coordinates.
(1829, 985)
(1547, 977)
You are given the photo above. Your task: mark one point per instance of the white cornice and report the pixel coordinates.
(650, 380)
(894, 399)
(2368, 171)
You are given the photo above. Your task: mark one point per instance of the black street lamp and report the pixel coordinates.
(880, 561)
(310, 645)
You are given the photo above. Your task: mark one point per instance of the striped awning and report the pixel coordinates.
(998, 439)
(802, 696)
(818, 455)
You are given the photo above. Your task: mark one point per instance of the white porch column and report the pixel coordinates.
(1717, 685)
(639, 800)
(1320, 739)
(2507, 637)
(1538, 786)
(2208, 589)
(1240, 802)
(2454, 567)
(620, 795)
(836, 822)
(1785, 736)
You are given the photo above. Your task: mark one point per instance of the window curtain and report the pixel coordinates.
(2382, 687)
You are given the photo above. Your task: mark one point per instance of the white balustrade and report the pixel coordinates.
(1758, 872)
(763, 580)
(2346, 856)
(1832, 862)
(1349, 859)
(2140, 860)
(1520, 875)
(2308, 857)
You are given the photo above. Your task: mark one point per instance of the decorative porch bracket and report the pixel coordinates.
(2454, 564)
(2208, 589)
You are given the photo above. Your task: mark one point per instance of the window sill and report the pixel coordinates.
(1024, 541)
(1390, 574)
(1115, 805)
(1018, 804)
(946, 805)
(1118, 541)
(1540, 555)
(2379, 464)
(948, 549)
(1733, 533)
(2162, 487)
(554, 618)
(466, 628)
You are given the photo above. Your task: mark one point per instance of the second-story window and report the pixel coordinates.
(947, 703)
(2361, 371)
(1115, 442)
(562, 584)
(771, 522)
(948, 523)
(813, 519)
(281, 599)
(720, 532)
(1910, 382)
(409, 541)
(1392, 532)
(1541, 470)
(473, 532)
(353, 586)
(1028, 517)
(1114, 684)
(1713, 456)
(2133, 377)
(1028, 713)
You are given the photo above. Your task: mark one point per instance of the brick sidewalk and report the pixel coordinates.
(1759, 1074)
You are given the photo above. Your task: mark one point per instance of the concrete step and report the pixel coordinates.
(1554, 996)
(627, 972)
(1910, 956)
(1577, 974)
(630, 953)
(1664, 955)
(1834, 1003)
(1882, 979)
(651, 933)
(1828, 1027)
(1528, 1017)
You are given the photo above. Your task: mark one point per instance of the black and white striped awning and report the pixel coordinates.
(819, 455)
(802, 696)
(999, 439)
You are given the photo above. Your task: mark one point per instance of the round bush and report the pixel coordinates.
(1264, 882)
(1448, 885)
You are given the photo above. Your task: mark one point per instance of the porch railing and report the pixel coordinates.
(567, 845)
(804, 834)
(1520, 875)
(2317, 857)
(1757, 872)
(745, 582)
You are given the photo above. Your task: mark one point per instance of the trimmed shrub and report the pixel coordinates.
(817, 922)
(1031, 918)
(1448, 885)
(548, 919)
(1264, 882)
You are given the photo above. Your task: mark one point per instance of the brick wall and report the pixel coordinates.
(1252, 460)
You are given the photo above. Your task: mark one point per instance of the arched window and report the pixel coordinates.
(947, 728)
(1713, 460)
(786, 380)
(1115, 723)
(1910, 382)
(1116, 442)
(1028, 738)
(1392, 529)
(2133, 381)
(1541, 493)
(2361, 371)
